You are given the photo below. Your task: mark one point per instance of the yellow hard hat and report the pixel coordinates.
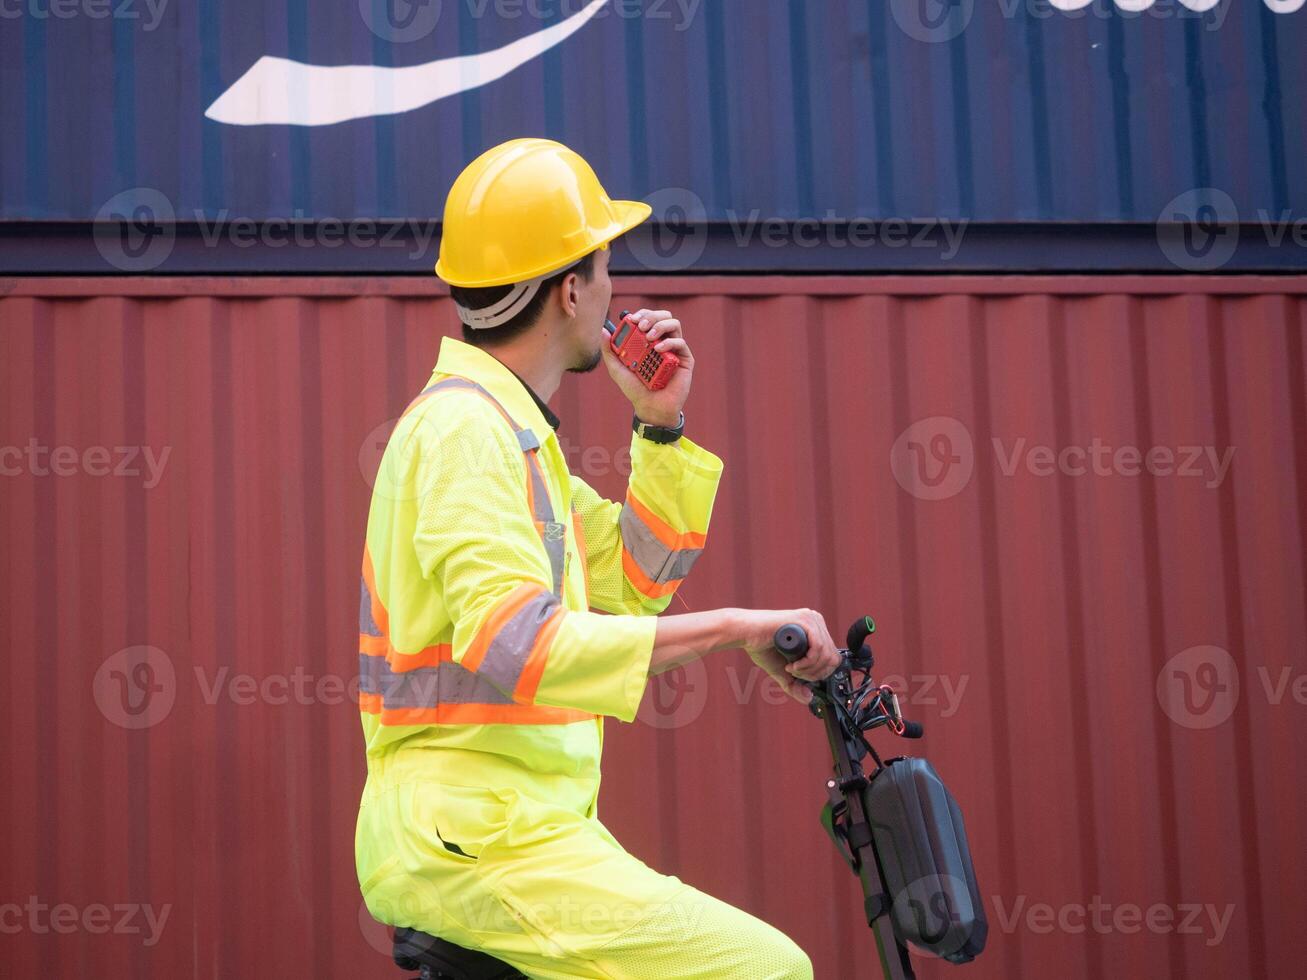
(523, 210)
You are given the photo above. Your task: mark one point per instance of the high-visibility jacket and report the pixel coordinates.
(484, 560)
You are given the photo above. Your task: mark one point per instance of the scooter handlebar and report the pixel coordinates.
(791, 641)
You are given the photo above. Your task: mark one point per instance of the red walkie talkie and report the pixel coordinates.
(653, 367)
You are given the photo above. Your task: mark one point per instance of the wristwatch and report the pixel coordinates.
(657, 433)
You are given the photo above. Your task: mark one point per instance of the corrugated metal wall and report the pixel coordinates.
(1032, 596)
(776, 108)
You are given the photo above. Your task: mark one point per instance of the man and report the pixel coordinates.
(487, 660)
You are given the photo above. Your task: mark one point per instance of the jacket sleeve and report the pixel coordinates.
(639, 551)
(476, 539)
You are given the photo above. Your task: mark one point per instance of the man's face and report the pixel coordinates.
(592, 302)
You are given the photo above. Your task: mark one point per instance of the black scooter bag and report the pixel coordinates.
(925, 861)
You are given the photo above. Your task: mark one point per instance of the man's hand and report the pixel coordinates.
(661, 407)
(758, 628)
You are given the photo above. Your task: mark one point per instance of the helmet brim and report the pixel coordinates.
(626, 215)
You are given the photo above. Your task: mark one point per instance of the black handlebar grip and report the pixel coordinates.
(791, 640)
(858, 633)
(912, 729)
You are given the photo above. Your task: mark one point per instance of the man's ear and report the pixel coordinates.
(568, 296)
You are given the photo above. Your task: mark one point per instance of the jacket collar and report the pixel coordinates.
(475, 364)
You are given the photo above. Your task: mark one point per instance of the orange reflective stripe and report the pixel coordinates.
(525, 692)
(674, 540)
(509, 649)
(474, 714)
(499, 616)
(379, 646)
(642, 582)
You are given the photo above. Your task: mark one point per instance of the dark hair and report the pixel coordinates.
(477, 298)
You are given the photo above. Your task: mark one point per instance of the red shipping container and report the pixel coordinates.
(1076, 506)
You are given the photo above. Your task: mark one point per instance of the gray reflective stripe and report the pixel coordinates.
(680, 563)
(426, 687)
(552, 533)
(508, 651)
(556, 547)
(660, 563)
(367, 624)
(544, 508)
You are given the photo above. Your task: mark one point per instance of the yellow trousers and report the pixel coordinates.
(544, 888)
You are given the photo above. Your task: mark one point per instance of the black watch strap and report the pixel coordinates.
(657, 433)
